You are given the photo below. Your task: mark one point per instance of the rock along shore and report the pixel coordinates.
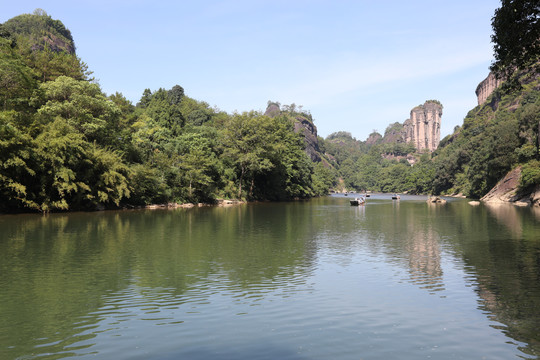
(507, 191)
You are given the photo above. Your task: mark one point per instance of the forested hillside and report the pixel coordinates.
(65, 145)
(382, 165)
(496, 137)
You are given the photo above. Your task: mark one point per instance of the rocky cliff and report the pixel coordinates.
(507, 191)
(302, 123)
(423, 128)
(486, 87)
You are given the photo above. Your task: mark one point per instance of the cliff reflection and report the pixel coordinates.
(506, 214)
(498, 245)
(66, 279)
(501, 252)
(410, 239)
(425, 260)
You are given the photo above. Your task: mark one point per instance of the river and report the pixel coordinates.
(315, 279)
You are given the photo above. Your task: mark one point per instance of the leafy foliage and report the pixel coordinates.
(530, 174)
(65, 145)
(46, 46)
(492, 141)
(16, 78)
(516, 37)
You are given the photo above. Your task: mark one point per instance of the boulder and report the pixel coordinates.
(436, 200)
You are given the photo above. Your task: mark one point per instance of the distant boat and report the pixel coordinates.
(396, 197)
(357, 201)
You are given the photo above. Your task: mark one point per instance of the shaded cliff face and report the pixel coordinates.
(486, 87)
(423, 129)
(303, 124)
(310, 136)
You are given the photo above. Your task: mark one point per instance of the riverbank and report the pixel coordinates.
(507, 191)
(219, 202)
(172, 205)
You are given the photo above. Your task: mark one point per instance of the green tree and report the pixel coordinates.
(165, 111)
(84, 107)
(291, 173)
(176, 94)
(17, 165)
(323, 179)
(76, 174)
(145, 98)
(199, 164)
(49, 65)
(244, 139)
(530, 175)
(516, 36)
(494, 155)
(148, 185)
(16, 78)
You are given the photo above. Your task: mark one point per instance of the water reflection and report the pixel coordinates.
(88, 283)
(412, 243)
(67, 267)
(506, 214)
(425, 260)
(502, 254)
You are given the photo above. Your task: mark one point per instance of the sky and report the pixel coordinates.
(357, 66)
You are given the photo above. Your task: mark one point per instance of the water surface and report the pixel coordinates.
(302, 280)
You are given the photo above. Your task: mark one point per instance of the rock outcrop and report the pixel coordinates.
(423, 129)
(506, 191)
(302, 123)
(393, 134)
(373, 138)
(486, 87)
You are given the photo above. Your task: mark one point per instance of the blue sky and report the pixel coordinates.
(358, 66)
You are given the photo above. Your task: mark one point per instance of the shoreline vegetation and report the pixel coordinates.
(67, 146)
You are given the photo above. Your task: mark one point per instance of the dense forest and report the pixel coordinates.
(66, 145)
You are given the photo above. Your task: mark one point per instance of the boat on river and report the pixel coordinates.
(357, 201)
(395, 197)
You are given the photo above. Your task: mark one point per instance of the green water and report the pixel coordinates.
(301, 280)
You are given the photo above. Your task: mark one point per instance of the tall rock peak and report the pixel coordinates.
(423, 128)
